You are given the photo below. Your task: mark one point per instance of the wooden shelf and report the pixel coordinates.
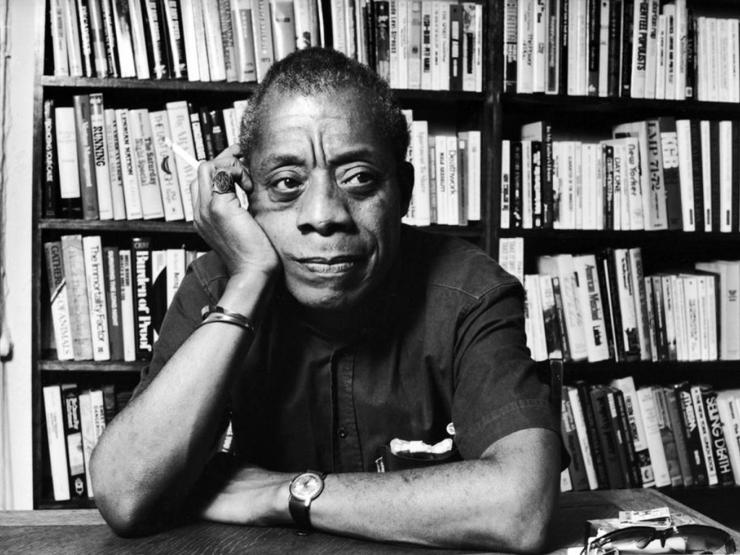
(629, 107)
(47, 365)
(96, 83)
(50, 504)
(156, 226)
(133, 226)
(719, 373)
(177, 85)
(610, 236)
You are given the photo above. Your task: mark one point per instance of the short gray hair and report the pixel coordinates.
(315, 71)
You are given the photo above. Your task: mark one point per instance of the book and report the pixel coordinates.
(262, 31)
(76, 283)
(213, 35)
(171, 12)
(58, 300)
(283, 27)
(579, 421)
(115, 165)
(96, 286)
(606, 437)
(154, 36)
(241, 13)
(649, 411)
(227, 40)
(190, 44)
(181, 134)
(58, 38)
(56, 442)
(142, 141)
(85, 157)
(129, 167)
(100, 156)
(169, 185)
(138, 39)
(704, 432)
(128, 321)
(676, 424)
(73, 437)
(141, 286)
(717, 438)
(667, 436)
(592, 433)
(112, 273)
(589, 296)
(70, 199)
(92, 420)
(158, 290)
(577, 469)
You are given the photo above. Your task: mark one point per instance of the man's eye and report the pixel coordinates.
(286, 184)
(360, 179)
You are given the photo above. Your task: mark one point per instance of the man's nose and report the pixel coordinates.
(323, 206)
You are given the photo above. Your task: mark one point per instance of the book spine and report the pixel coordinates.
(641, 302)
(593, 435)
(58, 300)
(717, 438)
(154, 32)
(73, 436)
(158, 290)
(190, 45)
(227, 40)
(97, 34)
(241, 15)
(128, 323)
(609, 448)
(109, 35)
(141, 285)
(583, 439)
(74, 275)
(50, 191)
(593, 52)
(667, 436)
(146, 165)
(632, 464)
(649, 412)
(100, 156)
(85, 158)
(510, 45)
(682, 449)
(71, 29)
(455, 47)
(95, 278)
(58, 39)
(657, 217)
(264, 54)
(705, 436)
(83, 20)
(181, 133)
(175, 264)
(577, 468)
(690, 429)
(56, 442)
(115, 167)
(129, 173)
(113, 301)
(123, 34)
(138, 39)
(166, 170)
(175, 42)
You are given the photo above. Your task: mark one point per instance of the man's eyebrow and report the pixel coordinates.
(278, 160)
(364, 153)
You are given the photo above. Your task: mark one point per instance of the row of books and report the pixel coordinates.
(107, 302)
(105, 163)
(433, 45)
(627, 48)
(623, 436)
(447, 174)
(656, 174)
(75, 419)
(602, 307)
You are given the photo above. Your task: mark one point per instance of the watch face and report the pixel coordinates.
(306, 486)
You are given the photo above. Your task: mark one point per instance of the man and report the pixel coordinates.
(366, 331)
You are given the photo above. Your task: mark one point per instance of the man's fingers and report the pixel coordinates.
(233, 151)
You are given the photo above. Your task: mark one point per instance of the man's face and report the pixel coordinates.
(327, 194)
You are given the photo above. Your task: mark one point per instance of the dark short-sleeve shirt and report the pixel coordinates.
(443, 342)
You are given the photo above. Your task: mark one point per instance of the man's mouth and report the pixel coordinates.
(333, 264)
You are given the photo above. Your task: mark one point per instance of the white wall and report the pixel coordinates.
(24, 18)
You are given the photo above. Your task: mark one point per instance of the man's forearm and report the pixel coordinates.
(503, 501)
(154, 451)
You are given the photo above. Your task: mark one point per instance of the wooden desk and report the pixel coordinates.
(83, 531)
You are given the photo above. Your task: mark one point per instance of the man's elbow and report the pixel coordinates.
(122, 509)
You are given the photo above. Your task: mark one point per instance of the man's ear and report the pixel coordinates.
(406, 184)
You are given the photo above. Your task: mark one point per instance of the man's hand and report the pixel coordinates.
(245, 495)
(229, 229)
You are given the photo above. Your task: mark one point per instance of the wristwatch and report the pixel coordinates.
(304, 488)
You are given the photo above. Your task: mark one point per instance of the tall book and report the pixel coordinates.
(140, 131)
(577, 467)
(264, 54)
(607, 437)
(50, 192)
(182, 135)
(92, 421)
(227, 39)
(128, 320)
(174, 38)
(579, 421)
(58, 300)
(676, 424)
(169, 185)
(92, 249)
(115, 166)
(649, 412)
(668, 437)
(70, 199)
(76, 283)
(283, 27)
(56, 441)
(100, 156)
(85, 157)
(589, 296)
(671, 176)
(241, 14)
(154, 34)
(718, 441)
(214, 40)
(141, 285)
(705, 435)
(113, 301)
(73, 437)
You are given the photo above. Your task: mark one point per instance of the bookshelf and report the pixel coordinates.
(458, 109)
(582, 117)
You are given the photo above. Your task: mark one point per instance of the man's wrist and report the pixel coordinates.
(247, 293)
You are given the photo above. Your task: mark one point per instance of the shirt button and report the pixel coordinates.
(342, 433)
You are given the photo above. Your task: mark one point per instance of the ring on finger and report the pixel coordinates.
(222, 183)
